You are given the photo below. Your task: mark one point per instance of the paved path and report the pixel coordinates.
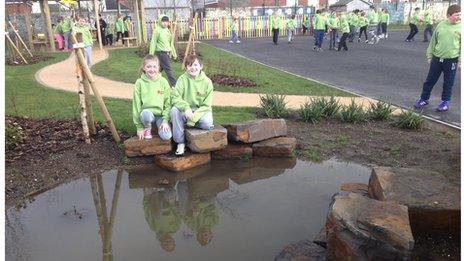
(393, 70)
(66, 80)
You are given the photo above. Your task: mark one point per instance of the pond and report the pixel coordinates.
(227, 210)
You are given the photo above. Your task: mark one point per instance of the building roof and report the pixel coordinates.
(345, 2)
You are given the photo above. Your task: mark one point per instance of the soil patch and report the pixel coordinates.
(234, 81)
(30, 60)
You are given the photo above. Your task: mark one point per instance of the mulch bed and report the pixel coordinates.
(31, 60)
(234, 81)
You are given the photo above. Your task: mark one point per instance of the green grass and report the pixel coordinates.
(27, 98)
(123, 64)
(312, 155)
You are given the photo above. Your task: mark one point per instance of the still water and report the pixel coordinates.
(227, 210)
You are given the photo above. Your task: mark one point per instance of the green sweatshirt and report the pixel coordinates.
(291, 24)
(58, 29)
(333, 22)
(154, 95)
(373, 18)
(194, 93)
(344, 25)
(169, 219)
(66, 25)
(234, 26)
(414, 18)
(120, 25)
(110, 29)
(363, 21)
(446, 41)
(86, 34)
(385, 18)
(207, 217)
(126, 26)
(428, 19)
(276, 22)
(319, 22)
(162, 41)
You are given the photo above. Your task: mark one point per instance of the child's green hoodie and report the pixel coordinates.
(120, 25)
(194, 93)
(154, 95)
(162, 41)
(86, 34)
(446, 41)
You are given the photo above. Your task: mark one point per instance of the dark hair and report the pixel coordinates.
(318, 11)
(191, 58)
(417, 8)
(293, 16)
(452, 9)
(165, 19)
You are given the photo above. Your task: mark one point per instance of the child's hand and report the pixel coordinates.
(189, 114)
(164, 127)
(140, 134)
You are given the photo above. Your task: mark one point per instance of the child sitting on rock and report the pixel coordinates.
(151, 101)
(192, 100)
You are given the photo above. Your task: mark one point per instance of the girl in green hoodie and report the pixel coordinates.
(151, 101)
(192, 101)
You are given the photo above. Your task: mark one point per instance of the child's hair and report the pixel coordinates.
(318, 11)
(452, 9)
(416, 9)
(148, 57)
(293, 16)
(191, 58)
(80, 16)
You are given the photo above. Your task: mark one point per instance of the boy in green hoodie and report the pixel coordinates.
(384, 22)
(152, 101)
(428, 20)
(162, 44)
(373, 18)
(413, 22)
(192, 101)
(119, 26)
(66, 30)
(83, 28)
(275, 25)
(345, 30)
(363, 22)
(334, 24)
(443, 56)
(319, 30)
(291, 29)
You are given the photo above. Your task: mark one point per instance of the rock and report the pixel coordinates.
(321, 238)
(262, 168)
(258, 130)
(361, 228)
(188, 161)
(206, 186)
(282, 147)
(359, 188)
(202, 141)
(155, 146)
(302, 250)
(233, 151)
(433, 202)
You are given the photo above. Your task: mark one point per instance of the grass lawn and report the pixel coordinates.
(123, 65)
(27, 98)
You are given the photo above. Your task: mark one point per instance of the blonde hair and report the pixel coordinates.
(148, 57)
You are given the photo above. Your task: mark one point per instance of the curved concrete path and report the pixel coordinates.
(61, 76)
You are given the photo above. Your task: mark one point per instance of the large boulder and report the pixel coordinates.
(433, 202)
(234, 151)
(281, 147)
(304, 250)
(134, 147)
(188, 161)
(359, 188)
(257, 130)
(202, 141)
(321, 238)
(360, 228)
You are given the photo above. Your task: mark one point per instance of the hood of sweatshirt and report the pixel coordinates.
(148, 80)
(201, 76)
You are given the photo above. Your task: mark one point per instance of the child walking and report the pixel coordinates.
(119, 29)
(192, 100)
(291, 29)
(319, 30)
(443, 56)
(373, 18)
(428, 20)
(109, 33)
(275, 25)
(233, 31)
(384, 22)
(345, 29)
(334, 23)
(152, 101)
(363, 22)
(83, 28)
(413, 21)
(162, 45)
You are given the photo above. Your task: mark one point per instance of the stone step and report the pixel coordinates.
(234, 151)
(302, 250)
(257, 130)
(202, 141)
(359, 188)
(433, 201)
(134, 147)
(361, 228)
(262, 168)
(281, 147)
(188, 161)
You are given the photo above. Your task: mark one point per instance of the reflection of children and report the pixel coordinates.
(201, 218)
(443, 56)
(233, 31)
(192, 100)
(151, 101)
(83, 28)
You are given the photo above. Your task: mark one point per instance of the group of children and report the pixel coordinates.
(415, 20)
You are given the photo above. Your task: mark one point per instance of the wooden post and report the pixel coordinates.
(143, 19)
(96, 92)
(137, 21)
(20, 39)
(48, 23)
(97, 21)
(14, 47)
(119, 7)
(27, 20)
(83, 109)
(192, 32)
(88, 104)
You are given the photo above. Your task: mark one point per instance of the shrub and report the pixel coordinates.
(380, 111)
(273, 105)
(330, 107)
(14, 135)
(143, 50)
(311, 111)
(409, 120)
(352, 113)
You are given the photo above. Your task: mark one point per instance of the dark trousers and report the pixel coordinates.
(305, 29)
(103, 35)
(109, 39)
(379, 28)
(352, 33)
(437, 66)
(333, 39)
(165, 65)
(384, 28)
(361, 30)
(413, 31)
(428, 30)
(119, 35)
(275, 35)
(319, 36)
(342, 43)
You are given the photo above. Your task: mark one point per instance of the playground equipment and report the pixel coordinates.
(15, 48)
(191, 41)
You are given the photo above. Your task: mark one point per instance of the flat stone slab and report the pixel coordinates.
(433, 201)
(302, 250)
(359, 188)
(188, 161)
(361, 228)
(134, 147)
(234, 152)
(202, 141)
(258, 130)
(281, 147)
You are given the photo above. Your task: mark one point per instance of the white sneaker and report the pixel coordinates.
(238, 41)
(386, 35)
(231, 41)
(180, 149)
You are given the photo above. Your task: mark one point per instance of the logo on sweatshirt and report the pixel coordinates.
(201, 94)
(160, 92)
